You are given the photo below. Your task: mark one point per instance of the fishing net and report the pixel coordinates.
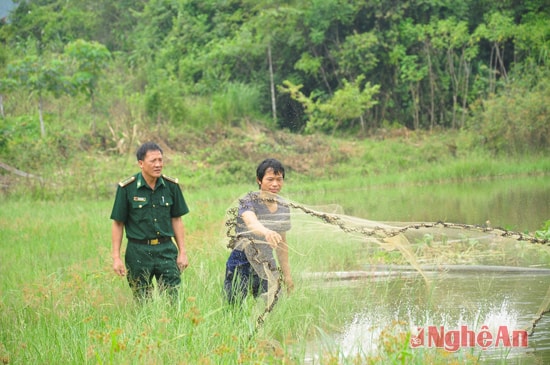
(326, 245)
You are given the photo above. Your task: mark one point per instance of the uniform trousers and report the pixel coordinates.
(145, 262)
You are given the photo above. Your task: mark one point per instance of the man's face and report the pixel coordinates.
(271, 182)
(151, 165)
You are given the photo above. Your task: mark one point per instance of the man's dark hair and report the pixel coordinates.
(146, 147)
(277, 167)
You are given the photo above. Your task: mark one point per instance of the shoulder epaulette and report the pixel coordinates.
(126, 182)
(171, 179)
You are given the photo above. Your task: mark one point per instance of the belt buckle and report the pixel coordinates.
(154, 242)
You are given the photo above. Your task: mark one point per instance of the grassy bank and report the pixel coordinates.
(228, 157)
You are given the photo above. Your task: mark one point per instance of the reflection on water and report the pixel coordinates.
(453, 300)
(513, 203)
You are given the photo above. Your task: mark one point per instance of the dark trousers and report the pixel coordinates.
(145, 262)
(241, 278)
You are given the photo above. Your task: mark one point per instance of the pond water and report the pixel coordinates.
(512, 203)
(491, 296)
(457, 301)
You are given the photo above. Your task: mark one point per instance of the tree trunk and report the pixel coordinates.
(415, 97)
(272, 84)
(18, 172)
(40, 116)
(467, 72)
(432, 87)
(454, 84)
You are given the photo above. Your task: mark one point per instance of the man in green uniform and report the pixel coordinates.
(149, 206)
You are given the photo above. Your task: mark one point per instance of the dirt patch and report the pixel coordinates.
(222, 146)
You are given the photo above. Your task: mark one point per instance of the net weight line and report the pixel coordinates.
(382, 232)
(544, 309)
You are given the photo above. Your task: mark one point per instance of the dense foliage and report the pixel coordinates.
(95, 72)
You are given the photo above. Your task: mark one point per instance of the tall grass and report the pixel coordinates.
(61, 302)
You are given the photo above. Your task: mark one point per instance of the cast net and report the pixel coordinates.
(327, 245)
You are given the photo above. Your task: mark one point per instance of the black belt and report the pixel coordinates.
(152, 242)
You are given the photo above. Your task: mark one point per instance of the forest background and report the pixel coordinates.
(220, 83)
(348, 94)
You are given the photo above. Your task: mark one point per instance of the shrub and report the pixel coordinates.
(517, 121)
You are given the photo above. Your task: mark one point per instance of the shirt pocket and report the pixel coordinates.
(165, 206)
(140, 210)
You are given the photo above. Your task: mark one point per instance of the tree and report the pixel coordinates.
(40, 75)
(498, 30)
(433, 59)
(347, 104)
(88, 60)
(6, 84)
(532, 41)
(267, 27)
(454, 40)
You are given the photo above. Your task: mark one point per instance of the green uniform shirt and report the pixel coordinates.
(147, 213)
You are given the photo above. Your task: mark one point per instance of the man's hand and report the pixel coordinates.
(118, 267)
(273, 238)
(289, 285)
(182, 261)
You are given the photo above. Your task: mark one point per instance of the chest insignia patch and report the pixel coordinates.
(139, 199)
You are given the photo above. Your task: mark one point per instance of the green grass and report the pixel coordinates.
(61, 303)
